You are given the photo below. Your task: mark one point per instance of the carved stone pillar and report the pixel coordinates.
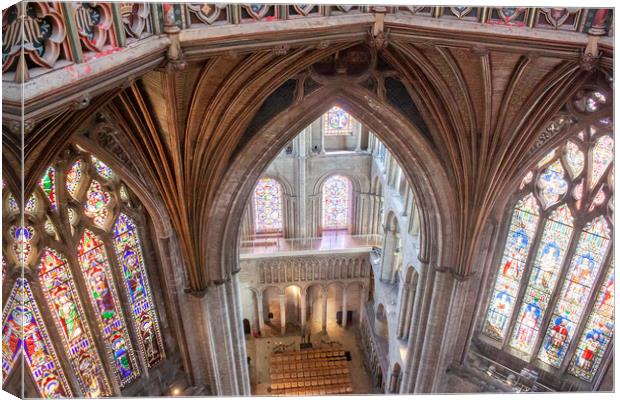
(417, 327)
(408, 311)
(344, 306)
(215, 306)
(402, 309)
(303, 309)
(259, 308)
(234, 301)
(324, 319)
(282, 314)
(357, 130)
(435, 331)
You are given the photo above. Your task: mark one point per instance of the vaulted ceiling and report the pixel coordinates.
(478, 100)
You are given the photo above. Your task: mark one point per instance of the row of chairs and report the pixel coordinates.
(306, 355)
(308, 366)
(334, 389)
(308, 373)
(317, 382)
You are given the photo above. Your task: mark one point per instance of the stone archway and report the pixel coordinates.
(407, 144)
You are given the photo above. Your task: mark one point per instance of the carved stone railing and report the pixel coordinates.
(491, 376)
(58, 34)
(311, 269)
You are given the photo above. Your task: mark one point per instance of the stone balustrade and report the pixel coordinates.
(61, 34)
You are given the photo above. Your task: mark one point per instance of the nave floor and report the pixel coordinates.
(261, 349)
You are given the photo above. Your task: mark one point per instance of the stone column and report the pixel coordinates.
(282, 314)
(324, 319)
(435, 331)
(215, 306)
(363, 300)
(408, 311)
(387, 256)
(357, 130)
(344, 306)
(452, 330)
(417, 327)
(303, 309)
(236, 321)
(261, 318)
(404, 297)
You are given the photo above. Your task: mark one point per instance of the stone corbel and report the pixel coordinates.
(591, 56)
(174, 56)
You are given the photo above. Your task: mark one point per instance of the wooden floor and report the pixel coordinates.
(310, 372)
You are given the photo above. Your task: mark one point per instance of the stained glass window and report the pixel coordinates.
(66, 309)
(12, 204)
(268, 205)
(336, 194)
(22, 242)
(102, 293)
(564, 272)
(521, 234)
(77, 340)
(574, 159)
(32, 204)
(102, 169)
(554, 242)
(23, 330)
(552, 184)
(602, 155)
(74, 177)
(598, 332)
(48, 185)
(129, 254)
(97, 202)
(583, 270)
(337, 122)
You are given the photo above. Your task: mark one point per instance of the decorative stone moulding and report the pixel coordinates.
(259, 12)
(42, 40)
(94, 25)
(207, 13)
(509, 16)
(559, 18)
(136, 19)
(305, 9)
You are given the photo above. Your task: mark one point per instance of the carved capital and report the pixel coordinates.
(379, 41)
(589, 61)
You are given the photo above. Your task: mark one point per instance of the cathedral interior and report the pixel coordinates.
(209, 199)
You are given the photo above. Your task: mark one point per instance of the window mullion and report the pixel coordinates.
(577, 232)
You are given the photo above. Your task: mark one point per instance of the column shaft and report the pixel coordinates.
(303, 310)
(259, 308)
(282, 314)
(344, 306)
(324, 320)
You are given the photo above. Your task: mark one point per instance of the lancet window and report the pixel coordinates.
(268, 206)
(552, 300)
(80, 236)
(336, 202)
